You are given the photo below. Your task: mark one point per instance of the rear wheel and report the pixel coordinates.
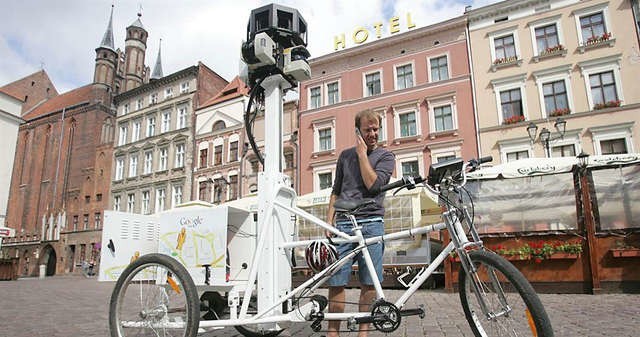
(154, 296)
(512, 306)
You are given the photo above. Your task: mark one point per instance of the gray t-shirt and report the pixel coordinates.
(349, 185)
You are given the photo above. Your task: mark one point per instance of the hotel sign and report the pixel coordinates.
(361, 34)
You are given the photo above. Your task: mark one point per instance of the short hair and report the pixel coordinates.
(369, 115)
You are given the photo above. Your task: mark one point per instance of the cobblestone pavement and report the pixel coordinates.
(77, 306)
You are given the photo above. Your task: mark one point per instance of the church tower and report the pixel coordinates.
(135, 48)
(106, 59)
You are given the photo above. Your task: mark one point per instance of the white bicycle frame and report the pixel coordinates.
(275, 232)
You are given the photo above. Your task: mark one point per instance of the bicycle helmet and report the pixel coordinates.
(319, 255)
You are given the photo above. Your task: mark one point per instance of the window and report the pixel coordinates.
(119, 168)
(97, 219)
(218, 126)
(233, 187)
(153, 98)
(410, 169)
(203, 191)
(218, 185)
(203, 157)
(217, 155)
(408, 124)
(176, 195)
(164, 153)
(555, 97)
(233, 151)
(135, 133)
(288, 160)
(372, 84)
(592, 26)
(182, 117)
(85, 222)
(184, 87)
(255, 165)
(404, 77)
(148, 162)
(99, 197)
(443, 118)
(613, 146)
(568, 150)
(315, 97)
(511, 104)
(505, 48)
(613, 139)
(168, 92)
(179, 155)
(160, 196)
(125, 109)
(603, 89)
(325, 180)
(139, 103)
(145, 202)
(166, 121)
(122, 137)
(116, 207)
(133, 165)
(513, 156)
(75, 218)
(439, 68)
(151, 126)
(324, 136)
(131, 202)
(546, 38)
(333, 93)
(603, 81)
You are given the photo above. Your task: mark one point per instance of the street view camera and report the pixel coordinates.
(276, 44)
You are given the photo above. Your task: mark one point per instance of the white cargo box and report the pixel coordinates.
(195, 235)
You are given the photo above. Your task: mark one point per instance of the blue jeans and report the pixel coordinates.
(369, 229)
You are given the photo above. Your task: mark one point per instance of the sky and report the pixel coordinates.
(61, 36)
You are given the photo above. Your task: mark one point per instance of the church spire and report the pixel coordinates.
(157, 69)
(107, 39)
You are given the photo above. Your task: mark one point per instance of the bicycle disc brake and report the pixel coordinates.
(386, 316)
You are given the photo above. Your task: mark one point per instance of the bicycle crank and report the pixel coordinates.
(385, 317)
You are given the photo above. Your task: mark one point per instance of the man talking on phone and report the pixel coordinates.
(360, 172)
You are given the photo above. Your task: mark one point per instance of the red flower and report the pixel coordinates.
(537, 260)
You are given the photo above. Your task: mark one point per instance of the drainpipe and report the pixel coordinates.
(473, 89)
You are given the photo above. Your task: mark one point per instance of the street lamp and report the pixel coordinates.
(545, 135)
(583, 159)
(219, 184)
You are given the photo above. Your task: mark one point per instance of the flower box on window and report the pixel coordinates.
(609, 104)
(597, 41)
(559, 112)
(625, 252)
(513, 120)
(505, 62)
(558, 50)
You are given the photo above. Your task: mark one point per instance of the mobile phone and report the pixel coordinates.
(358, 133)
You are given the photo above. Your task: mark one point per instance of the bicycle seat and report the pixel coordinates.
(349, 206)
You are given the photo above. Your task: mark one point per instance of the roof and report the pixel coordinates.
(157, 69)
(57, 103)
(23, 87)
(137, 23)
(235, 88)
(107, 39)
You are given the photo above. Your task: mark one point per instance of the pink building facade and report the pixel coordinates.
(420, 84)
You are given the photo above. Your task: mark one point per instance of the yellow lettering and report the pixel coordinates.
(394, 25)
(410, 23)
(338, 41)
(378, 26)
(360, 35)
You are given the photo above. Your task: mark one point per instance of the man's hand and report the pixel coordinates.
(361, 147)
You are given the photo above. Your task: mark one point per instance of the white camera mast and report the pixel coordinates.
(276, 57)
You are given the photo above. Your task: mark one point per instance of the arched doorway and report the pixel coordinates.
(49, 259)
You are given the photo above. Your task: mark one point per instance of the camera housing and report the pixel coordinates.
(276, 44)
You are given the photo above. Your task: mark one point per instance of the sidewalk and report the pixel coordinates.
(73, 305)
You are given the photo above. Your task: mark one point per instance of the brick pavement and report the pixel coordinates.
(77, 306)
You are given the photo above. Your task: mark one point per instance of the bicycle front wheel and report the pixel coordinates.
(512, 307)
(154, 296)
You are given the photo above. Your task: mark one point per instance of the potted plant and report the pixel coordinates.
(513, 119)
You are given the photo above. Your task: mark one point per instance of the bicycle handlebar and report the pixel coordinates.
(411, 182)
